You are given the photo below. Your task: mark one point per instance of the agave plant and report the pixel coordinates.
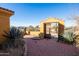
(69, 37)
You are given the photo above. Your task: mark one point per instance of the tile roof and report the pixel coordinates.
(6, 9)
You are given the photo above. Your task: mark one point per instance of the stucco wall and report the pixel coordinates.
(4, 26)
(4, 22)
(52, 20)
(35, 33)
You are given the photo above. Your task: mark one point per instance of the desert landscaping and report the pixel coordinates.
(50, 37)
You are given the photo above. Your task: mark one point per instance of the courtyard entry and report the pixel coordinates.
(51, 30)
(52, 27)
(54, 30)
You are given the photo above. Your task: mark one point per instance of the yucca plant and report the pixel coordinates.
(14, 42)
(11, 36)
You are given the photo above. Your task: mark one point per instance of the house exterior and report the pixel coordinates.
(5, 15)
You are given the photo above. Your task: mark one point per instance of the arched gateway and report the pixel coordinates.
(46, 24)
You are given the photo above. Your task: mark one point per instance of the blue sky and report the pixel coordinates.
(31, 14)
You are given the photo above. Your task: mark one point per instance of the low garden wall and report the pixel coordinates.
(35, 33)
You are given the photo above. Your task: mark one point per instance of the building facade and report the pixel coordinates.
(5, 15)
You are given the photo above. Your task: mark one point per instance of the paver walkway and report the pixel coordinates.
(49, 48)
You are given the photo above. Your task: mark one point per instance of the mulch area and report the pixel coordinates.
(50, 48)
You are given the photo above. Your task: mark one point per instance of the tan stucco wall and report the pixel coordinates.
(4, 26)
(35, 33)
(52, 20)
(4, 23)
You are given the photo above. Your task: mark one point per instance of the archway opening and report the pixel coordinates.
(52, 26)
(51, 30)
(54, 30)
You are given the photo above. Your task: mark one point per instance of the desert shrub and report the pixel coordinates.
(11, 36)
(24, 32)
(76, 39)
(14, 41)
(67, 37)
(60, 38)
(41, 35)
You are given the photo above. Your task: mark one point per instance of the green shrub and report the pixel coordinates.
(60, 38)
(67, 37)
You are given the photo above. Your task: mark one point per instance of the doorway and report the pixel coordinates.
(51, 30)
(54, 30)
